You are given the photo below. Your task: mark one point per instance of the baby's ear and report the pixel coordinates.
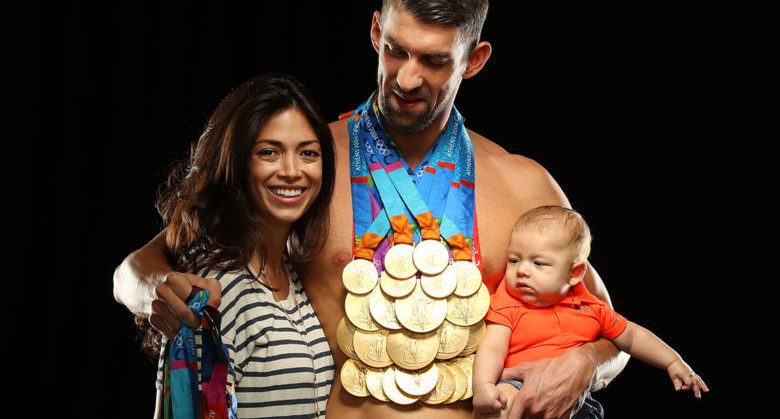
(577, 272)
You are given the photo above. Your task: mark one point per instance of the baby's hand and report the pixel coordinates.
(488, 400)
(684, 378)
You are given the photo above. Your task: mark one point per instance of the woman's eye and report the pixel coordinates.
(310, 154)
(266, 153)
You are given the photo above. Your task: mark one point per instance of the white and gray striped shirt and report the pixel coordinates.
(283, 365)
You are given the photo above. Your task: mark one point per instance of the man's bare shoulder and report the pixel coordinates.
(513, 167)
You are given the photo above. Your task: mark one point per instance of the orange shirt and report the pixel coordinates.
(547, 332)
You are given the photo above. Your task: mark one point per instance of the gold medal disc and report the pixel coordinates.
(444, 388)
(466, 311)
(374, 378)
(382, 309)
(476, 332)
(398, 261)
(353, 378)
(440, 285)
(452, 340)
(420, 313)
(460, 381)
(391, 389)
(411, 350)
(431, 257)
(359, 312)
(468, 276)
(396, 288)
(468, 367)
(345, 333)
(417, 382)
(371, 348)
(359, 276)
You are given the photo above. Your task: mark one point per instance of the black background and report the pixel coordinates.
(654, 117)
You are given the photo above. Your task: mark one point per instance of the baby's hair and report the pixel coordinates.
(549, 217)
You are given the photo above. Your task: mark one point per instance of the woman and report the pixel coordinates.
(253, 199)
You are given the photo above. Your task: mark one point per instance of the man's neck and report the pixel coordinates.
(414, 145)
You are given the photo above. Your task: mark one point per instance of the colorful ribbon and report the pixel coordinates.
(439, 196)
(181, 397)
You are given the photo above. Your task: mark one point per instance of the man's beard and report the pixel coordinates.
(407, 121)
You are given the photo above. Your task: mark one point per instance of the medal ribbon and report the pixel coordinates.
(440, 180)
(181, 398)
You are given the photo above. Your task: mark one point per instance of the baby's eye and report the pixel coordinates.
(513, 260)
(539, 263)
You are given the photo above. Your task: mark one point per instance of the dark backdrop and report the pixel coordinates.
(654, 117)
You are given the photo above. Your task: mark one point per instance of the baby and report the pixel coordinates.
(542, 308)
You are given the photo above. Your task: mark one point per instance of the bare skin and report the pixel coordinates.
(552, 387)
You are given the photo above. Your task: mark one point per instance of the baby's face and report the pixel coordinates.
(538, 266)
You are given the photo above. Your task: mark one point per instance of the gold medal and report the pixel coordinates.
(431, 257)
(371, 348)
(396, 288)
(460, 381)
(417, 382)
(452, 340)
(353, 378)
(468, 367)
(344, 337)
(374, 378)
(466, 311)
(440, 285)
(445, 386)
(391, 389)
(476, 332)
(468, 276)
(420, 313)
(359, 276)
(411, 350)
(383, 309)
(398, 261)
(359, 313)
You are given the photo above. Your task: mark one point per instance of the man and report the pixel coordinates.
(425, 48)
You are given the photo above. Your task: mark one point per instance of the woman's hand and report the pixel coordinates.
(169, 307)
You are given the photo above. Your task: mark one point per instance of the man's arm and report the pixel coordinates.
(607, 356)
(146, 284)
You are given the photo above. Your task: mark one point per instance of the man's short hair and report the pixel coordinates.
(553, 217)
(466, 15)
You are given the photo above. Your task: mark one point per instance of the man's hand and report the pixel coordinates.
(554, 387)
(169, 307)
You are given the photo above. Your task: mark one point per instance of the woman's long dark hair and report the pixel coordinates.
(210, 220)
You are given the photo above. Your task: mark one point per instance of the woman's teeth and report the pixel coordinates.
(287, 192)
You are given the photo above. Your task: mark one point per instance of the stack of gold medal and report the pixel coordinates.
(411, 332)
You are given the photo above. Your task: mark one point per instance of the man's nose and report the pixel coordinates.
(410, 75)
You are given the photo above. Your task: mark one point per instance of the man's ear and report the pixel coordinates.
(577, 273)
(477, 58)
(376, 30)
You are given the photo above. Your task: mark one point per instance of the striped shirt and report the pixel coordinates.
(283, 365)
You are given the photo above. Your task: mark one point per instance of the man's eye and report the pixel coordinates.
(395, 52)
